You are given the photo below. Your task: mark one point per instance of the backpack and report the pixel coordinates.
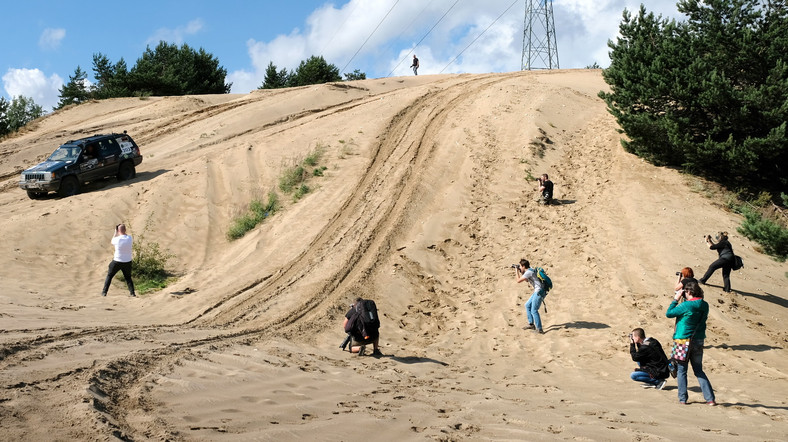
(547, 283)
(365, 321)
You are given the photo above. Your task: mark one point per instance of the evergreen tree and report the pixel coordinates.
(3, 117)
(75, 91)
(274, 79)
(355, 75)
(169, 70)
(19, 112)
(709, 94)
(314, 70)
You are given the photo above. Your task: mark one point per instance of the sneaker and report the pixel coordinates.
(103, 293)
(540, 331)
(531, 327)
(712, 403)
(661, 384)
(648, 385)
(376, 353)
(132, 295)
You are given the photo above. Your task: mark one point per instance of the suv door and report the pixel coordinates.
(89, 162)
(109, 152)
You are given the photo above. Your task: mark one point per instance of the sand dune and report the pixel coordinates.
(423, 206)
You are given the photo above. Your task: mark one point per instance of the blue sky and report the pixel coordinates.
(44, 41)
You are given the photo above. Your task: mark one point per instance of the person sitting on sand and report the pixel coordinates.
(652, 362)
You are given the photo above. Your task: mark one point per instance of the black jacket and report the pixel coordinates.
(651, 357)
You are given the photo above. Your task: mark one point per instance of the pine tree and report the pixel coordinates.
(75, 91)
(708, 94)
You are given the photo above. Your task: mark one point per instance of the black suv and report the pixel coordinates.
(80, 161)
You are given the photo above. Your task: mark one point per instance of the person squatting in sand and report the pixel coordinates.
(524, 272)
(362, 325)
(546, 189)
(652, 362)
(121, 261)
(725, 260)
(692, 315)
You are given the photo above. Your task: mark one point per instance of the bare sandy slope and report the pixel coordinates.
(423, 206)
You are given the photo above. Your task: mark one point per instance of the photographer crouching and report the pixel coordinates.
(546, 189)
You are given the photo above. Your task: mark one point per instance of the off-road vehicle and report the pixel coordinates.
(80, 161)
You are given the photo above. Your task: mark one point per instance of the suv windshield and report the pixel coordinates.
(65, 153)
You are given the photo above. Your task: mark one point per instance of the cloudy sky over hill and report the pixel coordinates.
(46, 41)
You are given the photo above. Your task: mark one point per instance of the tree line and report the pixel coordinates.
(314, 70)
(165, 70)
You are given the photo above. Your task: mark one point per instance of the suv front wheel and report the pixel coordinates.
(69, 186)
(126, 171)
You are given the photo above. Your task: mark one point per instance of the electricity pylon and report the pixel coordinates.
(539, 48)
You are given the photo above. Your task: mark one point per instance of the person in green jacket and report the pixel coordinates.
(691, 324)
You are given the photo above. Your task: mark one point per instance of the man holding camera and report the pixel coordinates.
(546, 188)
(121, 261)
(524, 272)
(652, 362)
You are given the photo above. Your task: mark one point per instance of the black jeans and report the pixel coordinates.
(725, 264)
(115, 267)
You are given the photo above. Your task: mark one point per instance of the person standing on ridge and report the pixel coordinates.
(415, 65)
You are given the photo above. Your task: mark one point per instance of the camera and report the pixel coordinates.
(515, 266)
(678, 273)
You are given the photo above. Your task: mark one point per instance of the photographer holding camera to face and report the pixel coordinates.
(725, 260)
(652, 361)
(524, 272)
(546, 189)
(121, 260)
(684, 276)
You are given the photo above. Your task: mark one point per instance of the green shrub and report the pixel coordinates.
(149, 265)
(302, 190)
(769, 234)
(291, 178)
(257, 213)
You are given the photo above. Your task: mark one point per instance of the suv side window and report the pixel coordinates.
(108, 148)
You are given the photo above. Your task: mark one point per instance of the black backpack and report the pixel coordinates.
(366, 322)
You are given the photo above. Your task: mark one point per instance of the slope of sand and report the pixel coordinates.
(423, 206)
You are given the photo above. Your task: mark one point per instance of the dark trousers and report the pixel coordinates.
(724, 264)
(114, 268)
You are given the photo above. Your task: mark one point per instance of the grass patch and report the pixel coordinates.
(257, 213)
(294, 179)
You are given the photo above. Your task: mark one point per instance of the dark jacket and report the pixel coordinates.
(651, 357)
(724, 249)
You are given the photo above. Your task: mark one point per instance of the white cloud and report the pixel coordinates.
(34, 84)
(177, 35)
(51, 37)
(438, 33)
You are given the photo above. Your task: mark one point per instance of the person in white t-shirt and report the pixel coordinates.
(121, 261)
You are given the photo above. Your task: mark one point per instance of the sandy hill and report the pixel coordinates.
(423, 206)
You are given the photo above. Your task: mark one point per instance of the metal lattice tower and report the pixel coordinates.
(539, 48)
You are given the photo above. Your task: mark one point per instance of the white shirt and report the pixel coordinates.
(530, 275)
(122, 245)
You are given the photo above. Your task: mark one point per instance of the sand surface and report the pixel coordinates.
(423, 206)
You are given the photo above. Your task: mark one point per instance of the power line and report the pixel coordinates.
(474, 40)
(422, 38)
(370, 36)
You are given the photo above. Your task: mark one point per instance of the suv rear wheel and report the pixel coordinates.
(126, 171)
(69, 186)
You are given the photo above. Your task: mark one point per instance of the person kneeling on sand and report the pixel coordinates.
(362, 326)
(652, 362)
